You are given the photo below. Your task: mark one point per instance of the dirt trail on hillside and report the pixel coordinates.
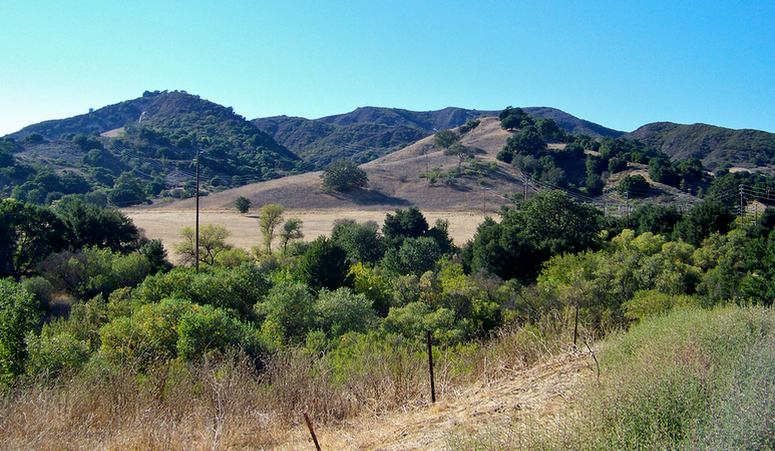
(539, 393)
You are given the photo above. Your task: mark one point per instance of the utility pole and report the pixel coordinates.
(627, 206)
(741, 201)
(196, 248)
(524, 187)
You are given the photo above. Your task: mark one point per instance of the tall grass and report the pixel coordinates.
(690, 379)
(225, 403)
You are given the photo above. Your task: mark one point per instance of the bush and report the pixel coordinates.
(242, 204)
(372, 284)
(207, 329)
(41, 289)
(634, 186)
(342, 311)
(236, 290)
(94, 270)
(174, 328)
(289, 306)
(19, 314)
(651, 302)
(690, 379)
(53, 354)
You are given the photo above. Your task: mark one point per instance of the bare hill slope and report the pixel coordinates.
(394, 181)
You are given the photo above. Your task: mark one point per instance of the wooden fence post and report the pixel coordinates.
(311, 431)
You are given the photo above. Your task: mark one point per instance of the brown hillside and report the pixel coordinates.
(394, 181)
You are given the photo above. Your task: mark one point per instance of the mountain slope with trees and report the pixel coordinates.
(715, 146)
(368, 133)
(140, 149)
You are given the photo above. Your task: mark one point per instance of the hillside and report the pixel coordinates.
(713, 145)
(398, 180)
(370, 132)
(153, 138)
(394, 181)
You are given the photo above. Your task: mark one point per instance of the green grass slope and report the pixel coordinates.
(691, 379)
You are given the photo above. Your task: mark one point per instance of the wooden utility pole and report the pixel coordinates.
(430, 367)
(741, 201)
(196, 247)
(524, 187)
(627, 206)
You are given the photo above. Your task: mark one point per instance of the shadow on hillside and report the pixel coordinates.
(370, 197)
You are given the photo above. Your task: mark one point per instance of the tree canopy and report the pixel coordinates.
(344, 176)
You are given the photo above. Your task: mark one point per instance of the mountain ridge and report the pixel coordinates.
(370, 132)
(712, 144)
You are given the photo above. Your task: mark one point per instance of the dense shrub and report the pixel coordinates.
(171, 328)
(234, 289)
(19, 314)
(342, 311)
(95, 270)
(289, 306)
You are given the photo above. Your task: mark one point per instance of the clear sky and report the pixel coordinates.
(618, 63)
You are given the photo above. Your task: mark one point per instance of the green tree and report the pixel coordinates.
(461, 152)
(527, 141)
(656, 219)
(291, 231)
(95, 226)
(270, 216)
(415, 256)
(212, 241)
(324, 265)
(661, 170)
(127, 190)
(512, 118)
(289, 305)
(403, 224)
(444, 139)
(549, 130)
(242, 204)
(634, 186)
(702, 220)
(549, 224)
(344, 176)
(362, 242)
(27, 235)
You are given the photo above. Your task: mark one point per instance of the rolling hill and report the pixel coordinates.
(713, 145)
(370, 132)
(397, 180)
(153, 138)
(142, 149)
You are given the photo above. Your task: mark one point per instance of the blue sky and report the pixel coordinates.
(621, 64)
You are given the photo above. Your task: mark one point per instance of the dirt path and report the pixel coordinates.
(539, 393)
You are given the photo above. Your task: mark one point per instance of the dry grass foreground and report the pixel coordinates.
(536, 395)
(166, 224)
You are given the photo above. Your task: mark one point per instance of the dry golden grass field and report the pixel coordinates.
(165, 224)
